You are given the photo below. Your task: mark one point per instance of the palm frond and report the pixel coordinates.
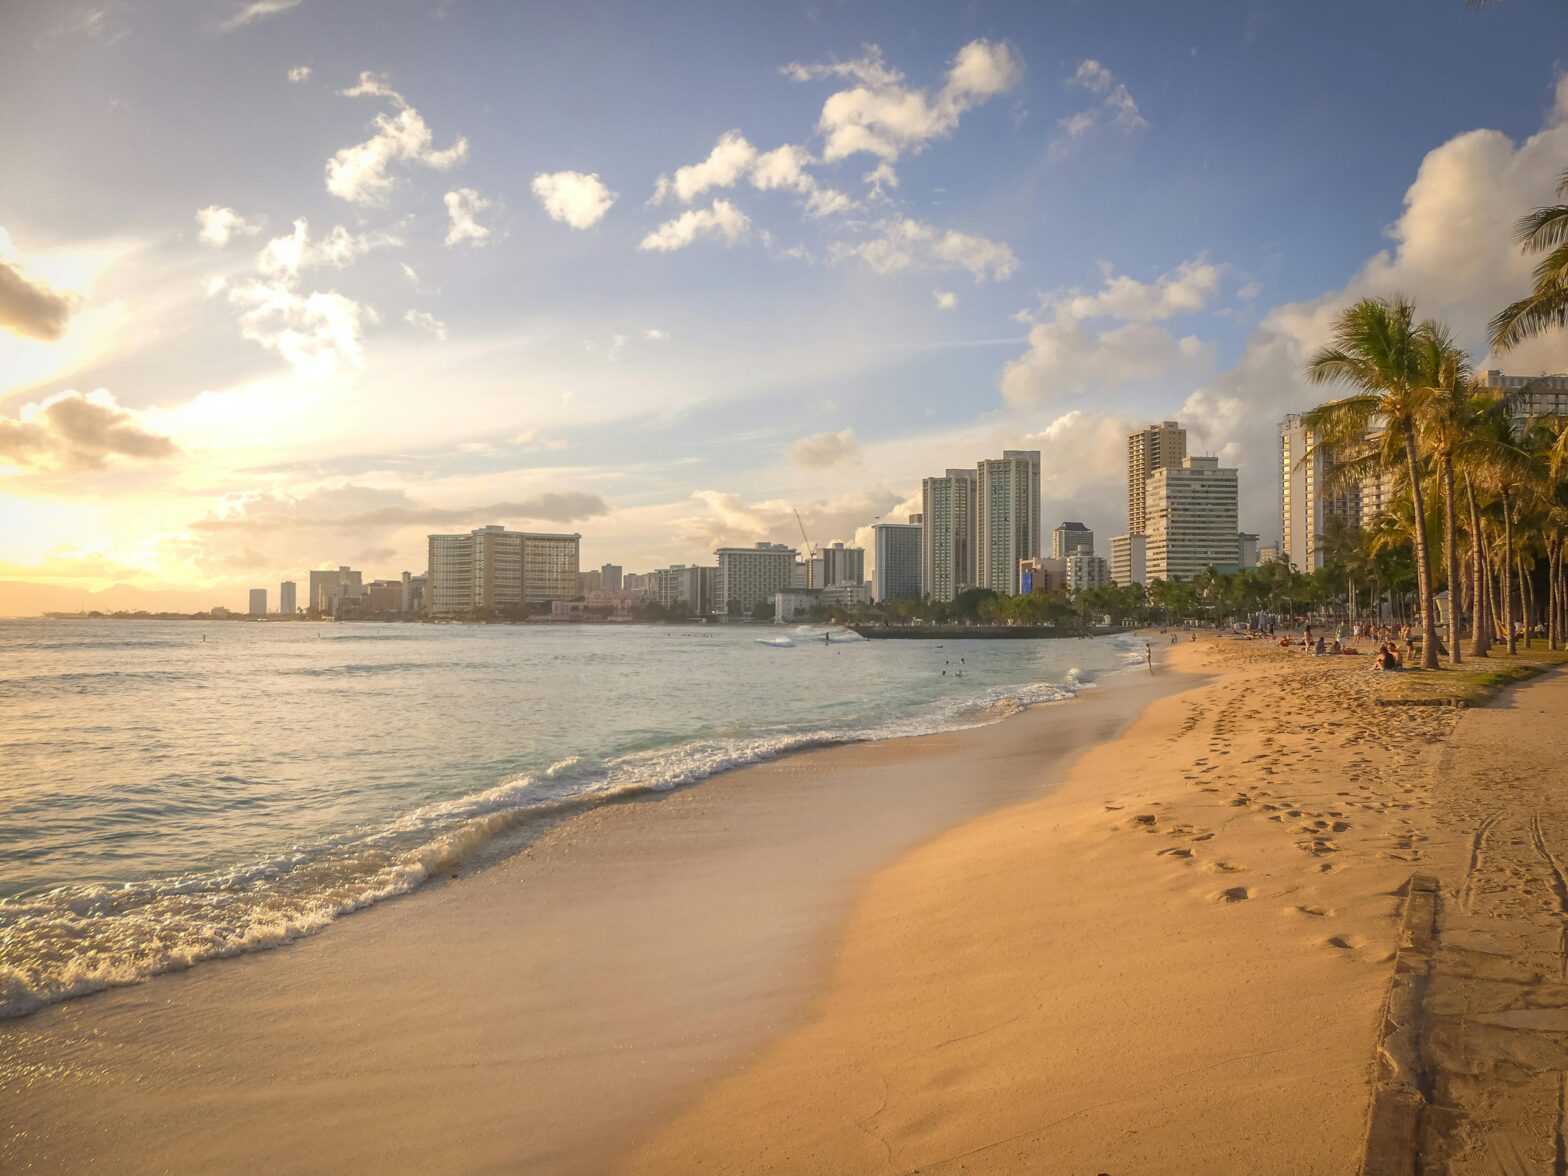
(1533, 315)
(1542, 228)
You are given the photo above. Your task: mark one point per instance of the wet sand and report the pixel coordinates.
(544, 1014)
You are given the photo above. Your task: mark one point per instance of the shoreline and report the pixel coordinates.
(757, 867)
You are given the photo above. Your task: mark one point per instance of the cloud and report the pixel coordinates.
(300, 73)
(355, 508)
(425, 321)
(881, 116)
(219, 226)
(1452, 252)
(722, 220)
(945, 299)
(733, 160)
(1065, 357)
(258, 10)
(573, 198)
(359, 175)
(1098, 445)
(28, 306)
(462, 206)
(1184, 290)
(907, 244)
(1115, 107)
(79, 432)
(821, 450)
(317, 332)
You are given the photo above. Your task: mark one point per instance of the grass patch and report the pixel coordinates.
(1472, 683)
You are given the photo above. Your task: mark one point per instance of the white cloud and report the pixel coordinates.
(722, 220)
(908, 244)
(29, 306)
(1066, 358)
(573, 198)
(300, 73)
(734, 160)
(654, 335)
(1098, 445)
(1184, 290)
(727, 518)
(258, 10)
(219, 226)
(75, 432)
(1115, 107)
(821, 450)
(286, 257)
(425, 321)
(317, 332)
(945, 299)
(359, 175)
(462, 206)
(408, 272)
(881, 116)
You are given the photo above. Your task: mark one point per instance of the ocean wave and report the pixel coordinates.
(76, 939)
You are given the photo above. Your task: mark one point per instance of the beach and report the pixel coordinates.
(1149, 930)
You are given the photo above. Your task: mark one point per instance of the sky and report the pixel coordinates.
(287, 284)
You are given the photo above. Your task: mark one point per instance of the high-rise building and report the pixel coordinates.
(747, 576)
(286, 602)
(414, 592)
(1007, 519)
(589, 581)
(327, 588)
(1192, 519)
(897, 556)
(610, 578)
(1534, 396)
(1071, 537)
(258, 602)
(1032, 456)
(493, 568)
(1307, 498)
(1086, 570)
(1161, 446)
(1268, 555)
(1129, 559)
(947, 542)
(1247, 549)
(684, 586)
(841, 565)
(384, 596)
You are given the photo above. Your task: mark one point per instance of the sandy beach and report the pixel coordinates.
(1151, 930)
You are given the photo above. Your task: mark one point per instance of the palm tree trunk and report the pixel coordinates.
(1423, 559)
(1527, 599)
(1553, 554)
(1451, 545)
(1480, 635)
(1507, 569)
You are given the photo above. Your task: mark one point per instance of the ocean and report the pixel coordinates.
(172, 792)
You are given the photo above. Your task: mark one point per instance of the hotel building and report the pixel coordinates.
(1161, 446)
(493, 568)
(746, 576)
(286, 600)
(258, 602)
(1071, 537)
(897, 558)
(1129, 560)
(1007, 518)
(1306, 499)
(947, 542)
(1191, 517)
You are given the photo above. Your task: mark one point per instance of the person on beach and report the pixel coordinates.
(1148, 656)
(1317, 650)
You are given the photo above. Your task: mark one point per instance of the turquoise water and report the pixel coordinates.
(166, 799)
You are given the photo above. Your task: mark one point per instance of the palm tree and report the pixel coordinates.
(1377, 350)
(1447, 426)
(1544, 230)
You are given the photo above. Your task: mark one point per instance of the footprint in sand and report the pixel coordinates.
(1234, 894)
(1345, 942)
(1316, 912)
(1175, 853)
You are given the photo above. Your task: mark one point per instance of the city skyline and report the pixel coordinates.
(414, 302)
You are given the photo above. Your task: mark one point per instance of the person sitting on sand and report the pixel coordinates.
(1385, 659)
(1337, 647)
(1318, 649)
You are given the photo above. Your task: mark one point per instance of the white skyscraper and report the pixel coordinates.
(947, 543)
(1007, 519)
(1192, 513)
(897, 551)
(286, 599)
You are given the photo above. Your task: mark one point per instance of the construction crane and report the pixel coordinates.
(811, 553)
